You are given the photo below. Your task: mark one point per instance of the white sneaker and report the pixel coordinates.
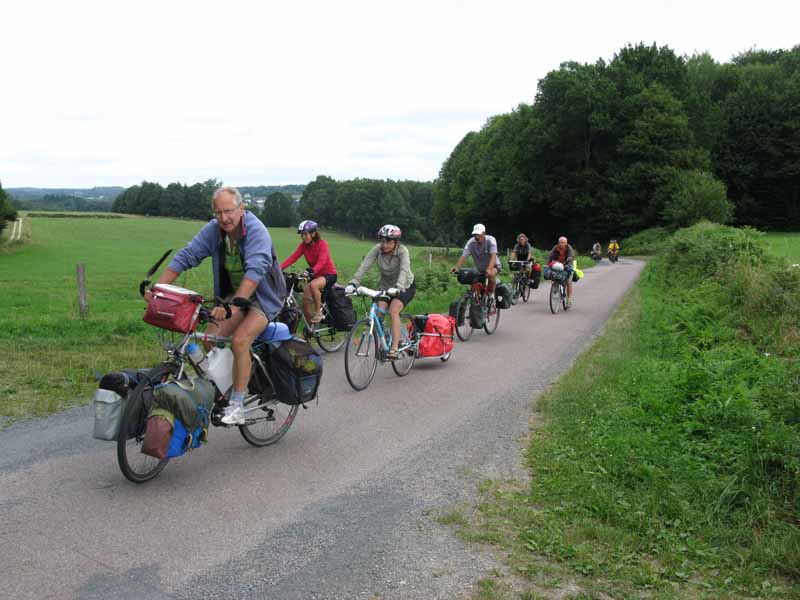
(234, 415)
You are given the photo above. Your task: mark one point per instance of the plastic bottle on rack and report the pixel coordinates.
(220, 368)
(198, 357)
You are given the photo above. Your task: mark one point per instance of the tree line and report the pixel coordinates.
(648, 139)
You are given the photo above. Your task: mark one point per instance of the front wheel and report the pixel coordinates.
(526, 290)
(407, 348)
(555, 297)
(516, 291)
(463, 327)
(136, 466)
(492, 316)
(361, 355)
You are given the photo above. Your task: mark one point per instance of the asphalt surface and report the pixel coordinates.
(344, 506)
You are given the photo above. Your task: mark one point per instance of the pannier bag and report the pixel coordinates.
(469, 276)
(296, 370)
(515, 266)
(437, 335)
(173, 308)
(477, 316)
(190, 400)
(457, 312)
(420, 323)
(502, 294)
(290, 316)
(158, 433)
(109, 402)
(341, 308)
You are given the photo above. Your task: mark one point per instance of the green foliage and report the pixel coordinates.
(279, 211)
(647, 242)
(696, 196)
(176, 200)
(7, 211)
(706, 249)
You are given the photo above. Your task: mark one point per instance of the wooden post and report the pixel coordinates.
(430, 259)
(83, 301)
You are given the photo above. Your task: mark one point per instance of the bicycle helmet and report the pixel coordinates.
(557, 266)
(275, 332)
(391, 232)
(307, 226)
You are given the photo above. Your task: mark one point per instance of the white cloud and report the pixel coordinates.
(252, 92)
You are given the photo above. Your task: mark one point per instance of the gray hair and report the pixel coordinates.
(562, 238)
(230, 190)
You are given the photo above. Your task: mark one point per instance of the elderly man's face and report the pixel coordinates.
(480, 237)
(228, 214)
(562, 243)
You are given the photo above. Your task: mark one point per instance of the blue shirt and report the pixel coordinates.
(255, 248)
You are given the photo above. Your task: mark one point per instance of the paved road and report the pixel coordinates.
(345, 506)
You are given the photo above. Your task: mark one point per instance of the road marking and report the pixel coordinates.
(17, 231)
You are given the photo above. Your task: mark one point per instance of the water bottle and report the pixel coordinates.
(198, 357)
(220, 368)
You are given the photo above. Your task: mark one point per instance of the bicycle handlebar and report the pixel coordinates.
(375, 294)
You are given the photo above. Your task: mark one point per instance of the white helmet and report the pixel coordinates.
(557, 266)
(391, 232)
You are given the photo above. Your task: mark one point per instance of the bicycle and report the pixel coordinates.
(476, 308)
(558, 290)
(520, 282)
(368, 343)
(266, 421)
(324, 333)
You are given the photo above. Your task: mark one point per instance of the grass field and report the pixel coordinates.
(49, 357)
(784, 244)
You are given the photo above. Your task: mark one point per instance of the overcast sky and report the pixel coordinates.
(113, 92)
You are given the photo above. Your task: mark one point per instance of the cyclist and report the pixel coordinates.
(523, 251)
(483, 249)
(613, 248)
(321, 267)
(597, 250)
(563, 253)
(246, 270)
(394, 264)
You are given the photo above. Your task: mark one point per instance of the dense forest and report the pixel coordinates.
(648, 139)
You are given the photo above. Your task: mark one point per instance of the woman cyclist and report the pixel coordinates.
(323, 272)
(394, 264)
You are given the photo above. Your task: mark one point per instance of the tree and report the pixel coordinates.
(7, 211)
(695, 196)
(279, 211)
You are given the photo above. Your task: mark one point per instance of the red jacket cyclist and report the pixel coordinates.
(315, 250)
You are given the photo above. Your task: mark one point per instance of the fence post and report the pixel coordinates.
(83, 301)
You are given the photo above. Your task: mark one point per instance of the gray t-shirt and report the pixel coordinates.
(480, 252)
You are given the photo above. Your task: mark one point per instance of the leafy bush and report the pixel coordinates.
(705, 248)
(647, 242)
(696, 196)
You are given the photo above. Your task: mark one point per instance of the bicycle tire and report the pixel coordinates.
(405, 359)
(564, 303)
(135, 466)
(272, 433)
(555, 298)
(492, 317)
(526, 289)
(329, 338)
(463, 328)
(516, 290)
(361, 355)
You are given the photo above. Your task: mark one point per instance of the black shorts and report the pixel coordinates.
(329, 280)
(408, 294)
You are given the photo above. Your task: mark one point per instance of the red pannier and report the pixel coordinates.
(173, 308)
(437, 337)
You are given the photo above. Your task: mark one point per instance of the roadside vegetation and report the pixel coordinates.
(666, 463)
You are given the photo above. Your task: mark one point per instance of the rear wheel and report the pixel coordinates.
(266, 422)
(407, 350)
(328, 337)
(135, 466)
(564, 296)
(555, 297)
(361, 355)
(463, 328)
(492, 316)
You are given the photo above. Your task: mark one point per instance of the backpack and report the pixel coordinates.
(296, 371)
(502, 295)
(290, 316)
(341, 308)
(437, 336)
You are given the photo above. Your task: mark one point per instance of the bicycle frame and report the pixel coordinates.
(385, 337)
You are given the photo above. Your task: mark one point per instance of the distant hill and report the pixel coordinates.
(97, 199)
(95, 193)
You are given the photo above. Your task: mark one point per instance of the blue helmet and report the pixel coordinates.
(307, 226)
(276, 332)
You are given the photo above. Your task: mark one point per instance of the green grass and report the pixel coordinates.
(786, 245)
(49, 357)
(667, 462)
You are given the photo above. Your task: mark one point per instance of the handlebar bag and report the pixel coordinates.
(173, 308)
(296, 370)
(469, 276)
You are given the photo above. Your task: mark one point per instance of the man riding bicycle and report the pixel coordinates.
(597, 250)
(483, 250)
(394, 264)
(563, 253)
(613, 247)
(315, 250)
(246, 272)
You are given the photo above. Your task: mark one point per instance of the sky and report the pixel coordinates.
(96, 93)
